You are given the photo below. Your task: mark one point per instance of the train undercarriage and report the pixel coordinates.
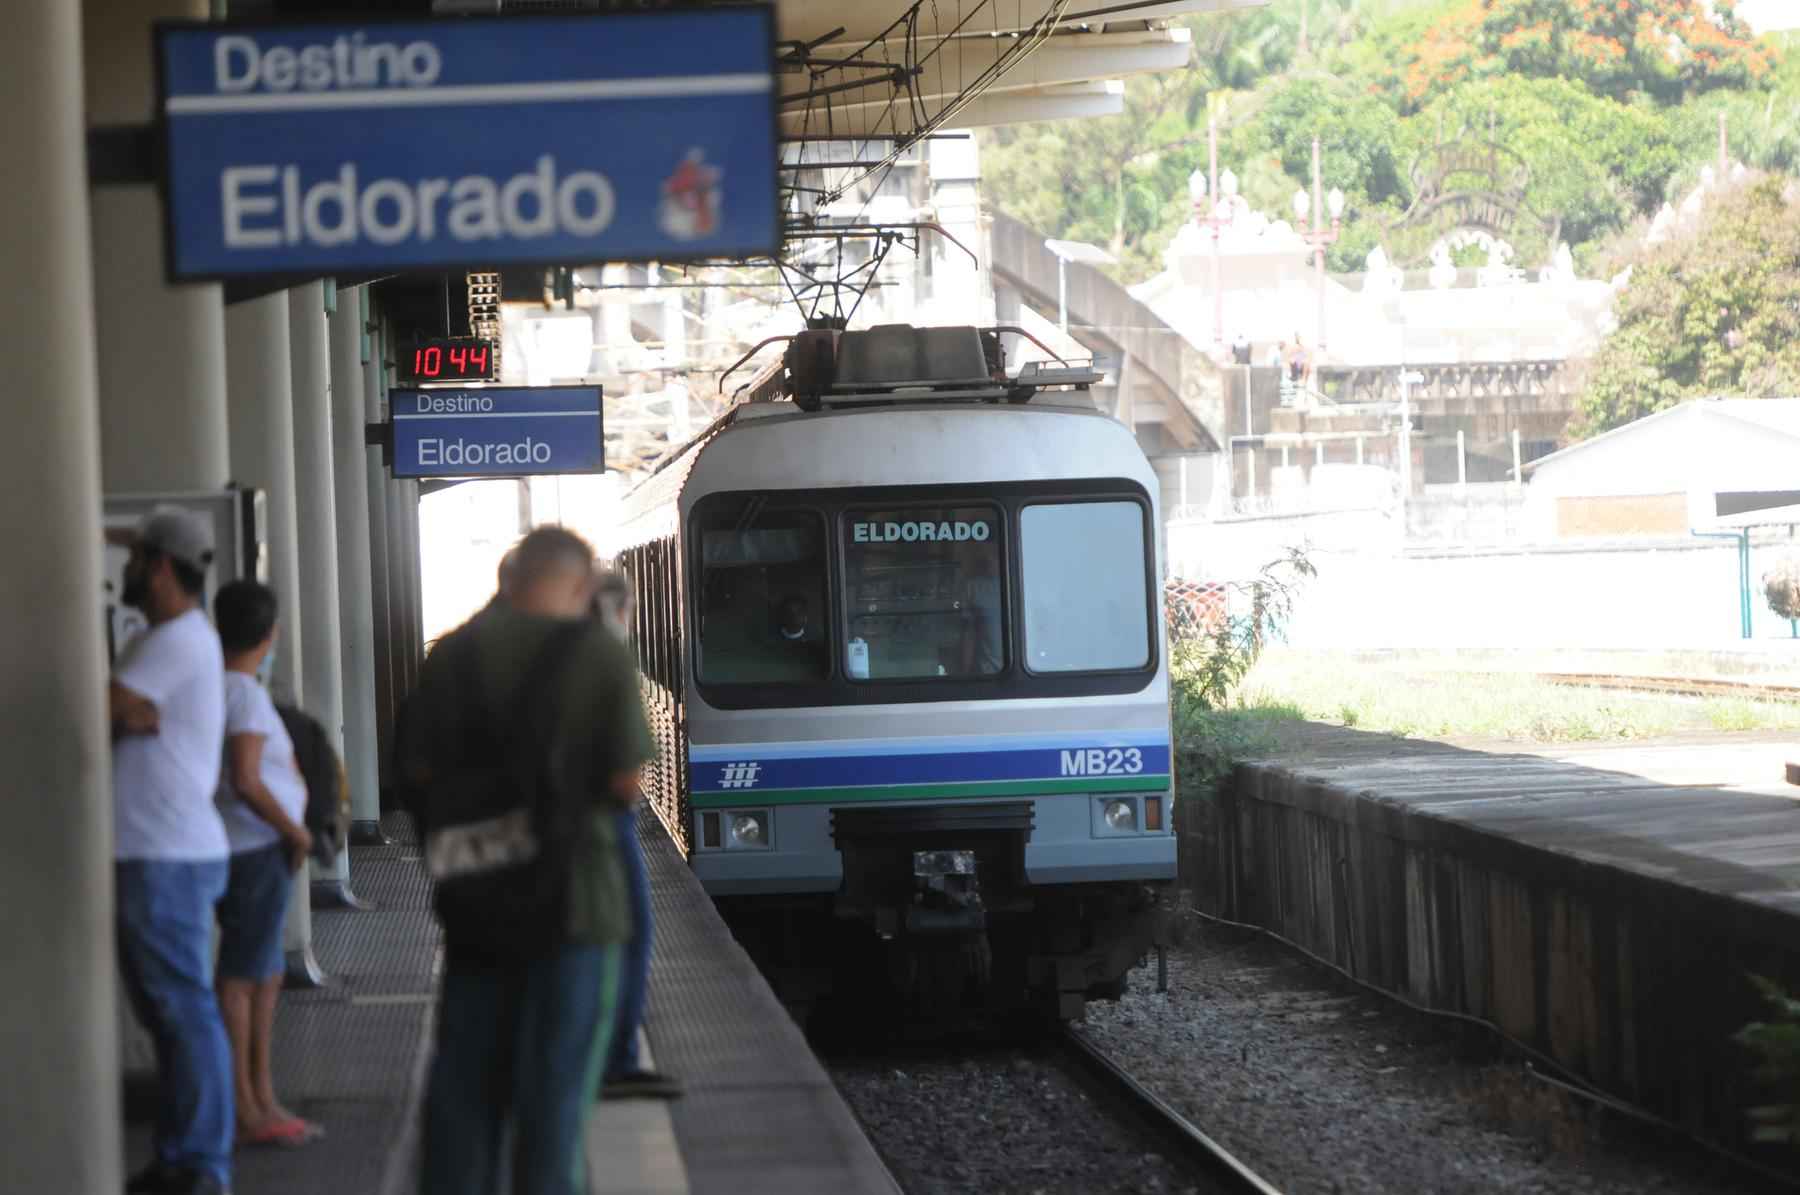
(937, 923)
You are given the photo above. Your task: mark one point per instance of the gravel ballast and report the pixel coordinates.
(1006, 1121)
(1321, 1086)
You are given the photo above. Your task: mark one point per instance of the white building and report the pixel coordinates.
(1269, 291)
(1669, 473)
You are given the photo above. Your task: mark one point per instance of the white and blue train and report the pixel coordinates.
(904, 655)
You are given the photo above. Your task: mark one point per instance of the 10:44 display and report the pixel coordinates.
(451, 359)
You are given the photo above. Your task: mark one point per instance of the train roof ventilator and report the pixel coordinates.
(897, 363)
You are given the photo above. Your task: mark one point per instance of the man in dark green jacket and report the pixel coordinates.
(523, 1041)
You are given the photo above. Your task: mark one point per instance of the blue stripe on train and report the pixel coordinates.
(751, 770)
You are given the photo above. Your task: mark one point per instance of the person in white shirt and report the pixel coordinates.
(167, 706)
(262, 799)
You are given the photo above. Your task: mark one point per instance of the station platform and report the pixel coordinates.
(1604, 905)
(759, 1114)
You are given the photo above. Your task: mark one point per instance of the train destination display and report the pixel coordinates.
(496, 431)
(303, 149)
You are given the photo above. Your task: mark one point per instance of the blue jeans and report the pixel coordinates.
(634, 985)
(520, 1045)
(164, 915)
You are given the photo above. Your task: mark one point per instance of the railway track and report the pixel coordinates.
(1676, 685)
(1179, 1136)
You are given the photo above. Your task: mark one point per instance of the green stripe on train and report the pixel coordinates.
(926, 792)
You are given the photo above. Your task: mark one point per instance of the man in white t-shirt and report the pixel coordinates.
(167, 703)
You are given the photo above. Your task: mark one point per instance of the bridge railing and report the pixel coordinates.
(1526, 380)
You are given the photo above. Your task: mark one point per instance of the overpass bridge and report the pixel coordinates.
(1170, 393)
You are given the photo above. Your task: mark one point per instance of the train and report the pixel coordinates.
(899, 625)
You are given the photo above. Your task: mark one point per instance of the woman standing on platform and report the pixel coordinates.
(626, 1077)
(262, 800)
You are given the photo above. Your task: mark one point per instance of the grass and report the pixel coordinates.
(1519, 708)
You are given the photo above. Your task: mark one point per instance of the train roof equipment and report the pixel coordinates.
(899, 363)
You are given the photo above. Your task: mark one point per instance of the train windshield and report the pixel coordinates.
(1082, 574)
(923, 592)
(930, 593)
(762, 595)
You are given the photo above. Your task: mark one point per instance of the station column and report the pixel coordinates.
(59, 1041)
(258, 349)
(262, 456)
(162, 348)
(384, 608)
(356, 614)
(318, 528)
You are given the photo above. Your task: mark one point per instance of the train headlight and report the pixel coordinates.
(749, 830)
(1121, 816)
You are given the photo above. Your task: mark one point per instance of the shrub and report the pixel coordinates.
(1777, 1043)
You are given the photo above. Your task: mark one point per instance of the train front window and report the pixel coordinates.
(1083, 583)
(923, 593)
(763, 616)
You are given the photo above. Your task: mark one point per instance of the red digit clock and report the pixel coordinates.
(447, 359)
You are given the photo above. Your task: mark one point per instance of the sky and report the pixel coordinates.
(1766, 16)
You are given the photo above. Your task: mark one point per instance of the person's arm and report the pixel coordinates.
(131, 712)
(243, 755)
(152, 668)
(626, 745)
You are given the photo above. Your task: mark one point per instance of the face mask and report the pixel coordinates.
(265, 670)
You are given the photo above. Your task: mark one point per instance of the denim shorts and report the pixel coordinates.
(252, 912)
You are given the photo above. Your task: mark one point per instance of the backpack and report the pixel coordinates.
(498, 829)
(327, 785)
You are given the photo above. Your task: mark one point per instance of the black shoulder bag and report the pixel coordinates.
(500, 829)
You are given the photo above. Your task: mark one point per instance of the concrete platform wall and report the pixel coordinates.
(1636, 982)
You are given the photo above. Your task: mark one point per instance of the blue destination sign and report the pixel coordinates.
(556, 139)
(496, 431)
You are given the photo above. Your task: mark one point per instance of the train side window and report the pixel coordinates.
(1084, 586)
(763, 615)
(923, 593)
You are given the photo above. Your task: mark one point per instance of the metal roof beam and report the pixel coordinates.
(808, 20)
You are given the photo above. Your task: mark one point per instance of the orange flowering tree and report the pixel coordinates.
(1668, 49)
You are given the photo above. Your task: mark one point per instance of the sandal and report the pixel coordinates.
(290, 1133)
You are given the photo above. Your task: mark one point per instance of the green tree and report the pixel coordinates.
(1714, 311)
(1594, 162)
(1095, 180)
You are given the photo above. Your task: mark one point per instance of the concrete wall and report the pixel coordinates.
(1501, 888)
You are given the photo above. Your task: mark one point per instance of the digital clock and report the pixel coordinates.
(448, 359)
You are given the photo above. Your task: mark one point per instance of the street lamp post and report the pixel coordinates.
(1312, 210)
(1214, 215)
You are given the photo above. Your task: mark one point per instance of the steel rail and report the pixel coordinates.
(1184, 1140)
(1677, 685)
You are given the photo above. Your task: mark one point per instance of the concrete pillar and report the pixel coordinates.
(323, 666)
(403, 558)
(162, 348)
(262, 457)
(405, 564)
(59, 1044)
(260, 385)
(356, 624)
(381, 604)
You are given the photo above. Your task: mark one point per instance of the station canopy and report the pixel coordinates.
(891, 69)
